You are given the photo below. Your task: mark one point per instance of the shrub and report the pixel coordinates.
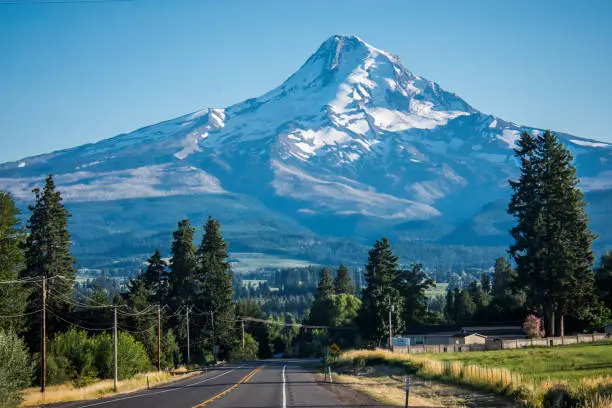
(132, 357)
(534, 327)
(250, 349)
(559, 397)
(170, 350)
(15, 369)
(71, 355)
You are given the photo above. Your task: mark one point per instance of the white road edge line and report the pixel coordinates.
(159, 392)
(284, 386)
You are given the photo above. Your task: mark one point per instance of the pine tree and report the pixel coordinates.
(325, 288)
(156, 278)
(412, 284)
(183, 283)
(449, 307)
(527, 207)
(343, 283)
(380, 294)
(503, 277)
(217, 295)
(321, 312)
(485, 282)
(12, 296)
(567, 237)
(464, 305)
(552, 246)
(47, 254)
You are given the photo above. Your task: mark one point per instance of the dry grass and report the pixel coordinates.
(529, 391)
(384, 389)
(99, 389)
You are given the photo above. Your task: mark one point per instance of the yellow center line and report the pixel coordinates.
(230, 389)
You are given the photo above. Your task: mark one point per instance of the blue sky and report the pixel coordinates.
(80, 72)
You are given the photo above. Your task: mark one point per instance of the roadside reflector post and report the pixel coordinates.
(407, 390)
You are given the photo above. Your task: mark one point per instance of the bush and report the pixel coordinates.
(559, 397)
(534, 327)
(15, 369)
(170, 350)
(71, 357)
(250, 349)
(132, 357)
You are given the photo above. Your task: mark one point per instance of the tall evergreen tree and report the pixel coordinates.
(320, 311)
(12, 296)
(412, 284)
(568, 240)
(449, 306)
(183, 282)
(47, 254)
(552, 246)
(343, 283)
(465, 308)
(325, 288)
(380, 295)
(485, 282)
(156, 278)
(217, 295)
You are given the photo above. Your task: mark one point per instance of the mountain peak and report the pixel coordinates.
(339, 48)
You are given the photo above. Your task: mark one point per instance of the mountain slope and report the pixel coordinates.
(353, 144)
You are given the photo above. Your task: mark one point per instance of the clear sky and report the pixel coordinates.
(79, 72)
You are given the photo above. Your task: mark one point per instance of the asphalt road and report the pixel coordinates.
(267, 384)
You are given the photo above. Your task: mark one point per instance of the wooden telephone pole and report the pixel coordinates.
(43, 330)
(115, 348)
(158, 338)
(242, 321)
(188, 356)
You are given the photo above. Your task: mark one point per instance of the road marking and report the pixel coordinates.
(159, 392)
(244, 379)
(284, 392)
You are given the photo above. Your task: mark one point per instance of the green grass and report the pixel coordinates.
(569, 363)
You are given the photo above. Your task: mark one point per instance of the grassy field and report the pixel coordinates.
(568, 363)
(574, 376)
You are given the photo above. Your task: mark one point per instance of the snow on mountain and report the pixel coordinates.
(352, 137)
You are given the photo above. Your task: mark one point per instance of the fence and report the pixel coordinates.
(503, 344)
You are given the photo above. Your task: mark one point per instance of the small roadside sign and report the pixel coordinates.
(334, 349)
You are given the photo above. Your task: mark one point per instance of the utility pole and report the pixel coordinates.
(242, 321)
(43, 333)
(115, 348)
(391, 327)
(212, 319)
(188, 356)
(158, 338)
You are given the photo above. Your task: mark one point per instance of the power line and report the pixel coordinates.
(26, 280)
(19, 315)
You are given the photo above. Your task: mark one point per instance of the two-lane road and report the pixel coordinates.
(268, 384)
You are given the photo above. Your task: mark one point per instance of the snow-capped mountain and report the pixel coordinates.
(352, 144)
